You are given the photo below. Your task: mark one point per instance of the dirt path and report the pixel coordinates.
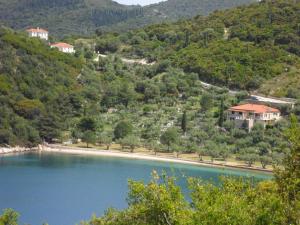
(128, 61)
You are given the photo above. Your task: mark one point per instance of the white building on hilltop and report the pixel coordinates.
(63, 47)
(38, 32)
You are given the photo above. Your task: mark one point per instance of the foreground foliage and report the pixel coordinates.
(162, 202)
(235, 201)
(9, 217)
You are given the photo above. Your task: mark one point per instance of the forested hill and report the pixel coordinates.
(173, 10)
(81, 17)
(249, 47)
(38, 89)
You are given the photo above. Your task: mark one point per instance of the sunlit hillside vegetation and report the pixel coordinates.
(238, 48)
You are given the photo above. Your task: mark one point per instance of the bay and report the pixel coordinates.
(63, 189)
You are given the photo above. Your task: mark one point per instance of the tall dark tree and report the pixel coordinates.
(221, 113)
(187, 38)
(184, 123)
(87, 124)
(49, 127)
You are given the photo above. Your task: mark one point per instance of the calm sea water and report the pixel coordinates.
(64, 189)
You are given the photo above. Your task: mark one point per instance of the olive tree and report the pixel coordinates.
(170, 136)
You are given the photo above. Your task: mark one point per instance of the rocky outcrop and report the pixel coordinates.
(16, 149)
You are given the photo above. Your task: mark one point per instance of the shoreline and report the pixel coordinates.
(138, 156)
(15, 150)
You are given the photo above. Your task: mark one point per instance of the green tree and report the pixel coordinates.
(288, 178)
(131, 140)
(89, 137)
(249, 158)
(106, 138)
(212, 149)
(9, 217)
(265, 160)
(177, 149)
(156, 203)
(221, 113)
(154, 146)
(49, 127)
(123, 129)
(232, 198)
(198, 136)
(170, 136)
(264, 148)
(200, 152)
(184, 123)
(5, 137)
(257, 133)
(87, 124)
(206, 102)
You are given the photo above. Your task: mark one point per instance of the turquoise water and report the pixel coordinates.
(64, 189)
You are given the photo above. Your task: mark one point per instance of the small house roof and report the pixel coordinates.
(253, 108)
(62, 45)
(37, 30)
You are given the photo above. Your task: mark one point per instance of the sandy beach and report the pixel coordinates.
(139, 156)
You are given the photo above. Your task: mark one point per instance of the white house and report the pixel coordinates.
(249, 114)
(38, 32)
(63, 47)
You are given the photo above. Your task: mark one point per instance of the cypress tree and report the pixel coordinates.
(184, 123)
(221, 113)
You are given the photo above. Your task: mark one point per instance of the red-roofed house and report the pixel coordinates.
(63, 47)
(249, 114)
(38, 32)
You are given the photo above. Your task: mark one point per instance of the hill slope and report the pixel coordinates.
(38, 89)
(238, 48)
(64, 17)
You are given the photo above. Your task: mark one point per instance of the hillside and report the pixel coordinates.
(173, 10)
(81, 17)
(239, 48)
(163, 107)
(38, 90)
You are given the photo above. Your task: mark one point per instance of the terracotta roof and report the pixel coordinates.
(62, 45)
(253, 108)
(37, 30)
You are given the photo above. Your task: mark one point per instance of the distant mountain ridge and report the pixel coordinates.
(63, 17)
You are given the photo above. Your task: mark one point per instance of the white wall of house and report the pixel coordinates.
(251, 118)
(64, 49)
(41, 35)
(68, 50)
(256, 116)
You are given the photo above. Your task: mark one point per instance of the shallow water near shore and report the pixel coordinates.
(63, 189)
